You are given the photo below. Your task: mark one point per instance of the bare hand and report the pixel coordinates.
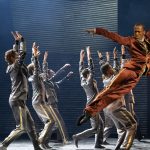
(91, 31)
(17, 36)
(115, 52)
(99, 54)
(35, 50)
(45, 56)
(107, 56)
(88, 51)
(82, 53)
(67, 65)
(122, 49)
(69, 74)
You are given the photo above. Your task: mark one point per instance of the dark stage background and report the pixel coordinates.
(58, 26)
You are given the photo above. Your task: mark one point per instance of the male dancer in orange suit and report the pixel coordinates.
(139, 64)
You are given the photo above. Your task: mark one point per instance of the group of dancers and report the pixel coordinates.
(44, 97)
(122, 83)
(118, 81)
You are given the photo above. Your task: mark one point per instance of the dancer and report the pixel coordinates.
(116, 111)
(19, 92)
(51, 96)
(130, 101)
(89, 85)
(128, 77)
(38, 97)
(109, 123)
(107, 77)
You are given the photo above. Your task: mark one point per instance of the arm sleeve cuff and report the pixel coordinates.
(123, 56)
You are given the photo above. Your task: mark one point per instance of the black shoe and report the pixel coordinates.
(99, 146)
(75, 140)
(83, 118)
(43, 147)
(38, 148)
(140, 138)
(47, 146)
(106, 143)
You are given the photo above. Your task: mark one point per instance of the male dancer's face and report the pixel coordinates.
(139, 32)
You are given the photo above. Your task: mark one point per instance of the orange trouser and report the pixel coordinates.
(124, 81)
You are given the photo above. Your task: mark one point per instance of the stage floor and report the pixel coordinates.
(87, 144)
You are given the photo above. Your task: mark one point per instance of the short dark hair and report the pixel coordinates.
(139, 24)
(85, 72)
(30, 69)
(104, 68)
(8, 54)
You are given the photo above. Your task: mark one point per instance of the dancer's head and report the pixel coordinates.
(85, 73)
(30, 68)
(139, 31)
(11, 56)
(107, 70)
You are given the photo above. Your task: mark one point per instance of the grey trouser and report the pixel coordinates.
(97, 129)
(59, 121)
(46, 117)
(126, 126)
(24, 123)
(109, 124)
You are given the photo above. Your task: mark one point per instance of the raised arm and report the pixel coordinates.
(45, 65)
(107, 57)
(19, 46)
(89, 59)
(101, 59)
(123, 56)
(90, 64)
(17, 38)
(110, 35)
(116, 64)
(61, 70)
(64, 78)
(81, 62)
(35, 53)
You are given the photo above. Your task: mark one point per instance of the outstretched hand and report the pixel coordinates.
(91, 31)
(82, 55)
(69, 74)
(35, 50)
(45, 56)
(115, 53)
(17, 36)
(107, 56)
(122, 49)
(88, 50)
(67, 65)
(99, 54)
